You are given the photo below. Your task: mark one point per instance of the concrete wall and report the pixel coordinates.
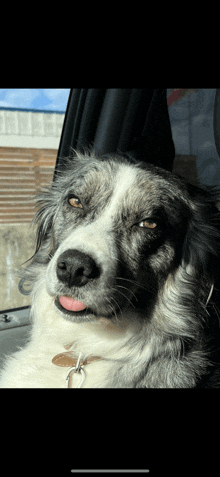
(17, 244)
(30, 129)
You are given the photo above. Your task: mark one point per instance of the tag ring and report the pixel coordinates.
(78, 370)
(75, 369)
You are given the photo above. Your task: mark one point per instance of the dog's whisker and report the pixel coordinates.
(216, 311)
(124, 296)
(117, 305)
(112, 308)
(134, 282)
(120, 286)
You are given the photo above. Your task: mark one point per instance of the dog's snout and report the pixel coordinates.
(75, 268)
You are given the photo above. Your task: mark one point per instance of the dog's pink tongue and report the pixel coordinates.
(71, 304)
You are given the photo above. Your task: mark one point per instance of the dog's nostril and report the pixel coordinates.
(61, 265)
(81, 271)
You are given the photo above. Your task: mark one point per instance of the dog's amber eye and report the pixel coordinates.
(75, 202)
(147, 225)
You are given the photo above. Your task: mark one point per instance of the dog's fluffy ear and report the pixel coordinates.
(43, 220)
(29, 274)
(201, 250)
(44, 243)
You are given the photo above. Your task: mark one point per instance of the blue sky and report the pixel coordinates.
(52, 99)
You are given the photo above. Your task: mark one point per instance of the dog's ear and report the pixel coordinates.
(201, 249)
(43, 222)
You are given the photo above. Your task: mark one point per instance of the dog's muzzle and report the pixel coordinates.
(75, 269)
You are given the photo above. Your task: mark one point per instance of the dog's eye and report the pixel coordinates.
(75, 202)
(147, 224)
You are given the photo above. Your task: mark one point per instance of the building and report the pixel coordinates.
(29, 140)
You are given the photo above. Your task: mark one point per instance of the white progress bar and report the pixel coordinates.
(110, 470)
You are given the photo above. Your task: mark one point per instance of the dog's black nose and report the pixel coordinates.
(75, 268)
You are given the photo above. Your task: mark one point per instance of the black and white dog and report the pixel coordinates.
(125, 281)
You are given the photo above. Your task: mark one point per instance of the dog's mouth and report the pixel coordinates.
(71, 306)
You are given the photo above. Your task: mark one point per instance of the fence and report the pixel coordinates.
(23, 171)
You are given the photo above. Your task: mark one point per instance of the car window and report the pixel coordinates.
(31, 123)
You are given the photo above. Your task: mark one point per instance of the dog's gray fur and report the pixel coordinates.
(153, 283)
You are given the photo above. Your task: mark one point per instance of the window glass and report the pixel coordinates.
(31, 123)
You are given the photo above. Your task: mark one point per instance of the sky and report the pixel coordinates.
(45, 99)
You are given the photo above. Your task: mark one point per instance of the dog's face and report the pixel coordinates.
(110, 234)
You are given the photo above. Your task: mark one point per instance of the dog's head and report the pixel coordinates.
(111, 231)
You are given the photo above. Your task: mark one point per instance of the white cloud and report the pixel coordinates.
(52, 99)
(20, 98)
(58, 98)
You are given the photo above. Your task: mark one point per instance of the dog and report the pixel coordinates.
(124, 280)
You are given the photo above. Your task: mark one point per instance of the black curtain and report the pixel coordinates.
(125, 121)
(216, 120)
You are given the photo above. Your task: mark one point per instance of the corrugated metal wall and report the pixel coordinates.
(22, 173)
